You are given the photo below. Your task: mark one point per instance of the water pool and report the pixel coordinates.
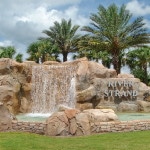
(32, 117)
(122, 117)
(133, 116)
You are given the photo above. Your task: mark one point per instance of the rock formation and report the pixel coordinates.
(100, 87)
(97, 87)
(15, 85)
(73, 122)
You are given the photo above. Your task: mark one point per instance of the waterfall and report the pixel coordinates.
(52, 85)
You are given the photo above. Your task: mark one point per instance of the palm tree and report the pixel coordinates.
(64, 36)
(139, 60)
(93, 49)
(43, 50)
(116, 32)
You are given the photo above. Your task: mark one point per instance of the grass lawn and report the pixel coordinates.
(110, 141)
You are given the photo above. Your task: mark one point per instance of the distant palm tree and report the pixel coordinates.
(32, 50)
(115, 31)
(18, 57)
(139, 60)
(43, 50)
(64, 36)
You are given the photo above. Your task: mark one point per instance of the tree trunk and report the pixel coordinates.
(43, 58)
(116, 63)
(96, 60)
(106, 63)
(65, 54)
(145, 74)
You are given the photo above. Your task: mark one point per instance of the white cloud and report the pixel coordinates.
(30, 26)
(6, 43)
(138, 8)
(147, 23)
(23, 21)
(13, 4)
(73, 13)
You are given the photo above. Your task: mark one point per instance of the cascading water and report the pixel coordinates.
(52, 86)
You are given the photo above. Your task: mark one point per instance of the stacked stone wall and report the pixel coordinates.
(32, 127)
(120, 126)
(97, 127)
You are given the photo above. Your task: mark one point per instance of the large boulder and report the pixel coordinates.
(5, 118)
(86, 95)
(82, 76)
(125, 75)
(73, 122)
(57, 124)
(15, 85)
(85, 105)
(83, 124)
(128, 107)
(110, 105)
(89, 70)
(101, 115)
(97, 70)
(144, 106)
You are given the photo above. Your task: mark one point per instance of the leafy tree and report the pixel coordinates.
(43, 50)
(113, 30)
(7, 52)
(64, 36)
(139, 60)
(1, 51)
(19, 57)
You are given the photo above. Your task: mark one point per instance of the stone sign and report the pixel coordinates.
(121, 89)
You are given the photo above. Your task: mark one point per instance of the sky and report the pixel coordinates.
(22, 21)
